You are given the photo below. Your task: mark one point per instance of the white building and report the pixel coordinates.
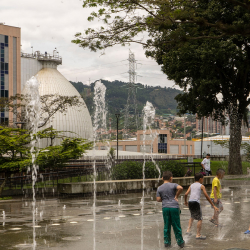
(44, 66)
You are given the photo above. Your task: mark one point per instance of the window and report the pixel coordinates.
(2, 66)
(6, 66)
(6, 39)
(6, 93)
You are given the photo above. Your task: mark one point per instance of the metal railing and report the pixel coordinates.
(43, 57)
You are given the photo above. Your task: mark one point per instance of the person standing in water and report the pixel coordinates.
(168, 194)
(194, 204)
(216, 195)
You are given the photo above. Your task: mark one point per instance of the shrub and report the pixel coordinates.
(175, 167)
(127, 170)
(133, 170)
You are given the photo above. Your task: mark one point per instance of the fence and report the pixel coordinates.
(75, 171)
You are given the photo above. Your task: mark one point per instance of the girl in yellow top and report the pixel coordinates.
(216, 195)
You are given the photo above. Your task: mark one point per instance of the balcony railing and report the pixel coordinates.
(43, 57)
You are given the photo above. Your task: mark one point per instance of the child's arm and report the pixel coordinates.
(158, 196)
(158, 199)
(179, 190)
(215, 194)
(186, 195)
(202, 164)
(208, 198)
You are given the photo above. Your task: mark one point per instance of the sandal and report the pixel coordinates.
(201, 237)
(188, 233)
(213, 221)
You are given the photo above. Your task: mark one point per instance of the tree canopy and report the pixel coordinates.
(50, 104)
(182, 20)
(15, 150)
(202, 45)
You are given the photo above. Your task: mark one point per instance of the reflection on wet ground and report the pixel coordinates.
(68, 223)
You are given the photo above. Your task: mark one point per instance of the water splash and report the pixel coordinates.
(148, 119)
(33, 107)
(99, 126)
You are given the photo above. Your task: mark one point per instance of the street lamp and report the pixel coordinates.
(21, 123)
(117, 121)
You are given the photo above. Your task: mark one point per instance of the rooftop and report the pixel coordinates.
(44, 57)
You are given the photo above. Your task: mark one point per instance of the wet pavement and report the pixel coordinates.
(68, 223)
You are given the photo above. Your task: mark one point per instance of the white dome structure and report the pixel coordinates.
(76, 121)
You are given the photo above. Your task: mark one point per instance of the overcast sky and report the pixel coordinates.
(50, 24)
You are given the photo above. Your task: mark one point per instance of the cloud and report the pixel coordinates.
(47, 24)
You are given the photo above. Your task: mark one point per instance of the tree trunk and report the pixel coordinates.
(235, 164)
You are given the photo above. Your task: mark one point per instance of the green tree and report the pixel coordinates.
(15, 151)
(203, 46)
(55, 157)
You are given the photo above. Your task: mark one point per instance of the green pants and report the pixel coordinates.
(171, 217)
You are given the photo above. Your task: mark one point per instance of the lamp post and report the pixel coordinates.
(202, 121)
(21, 123)
(208, 147)
(117, 121)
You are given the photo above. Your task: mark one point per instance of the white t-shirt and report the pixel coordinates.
(206, 163)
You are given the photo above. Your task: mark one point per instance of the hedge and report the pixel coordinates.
(133, 169)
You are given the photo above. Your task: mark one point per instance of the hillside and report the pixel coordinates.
(117, 93)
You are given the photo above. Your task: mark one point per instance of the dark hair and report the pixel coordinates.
(197, 176)
(167, 175)
(220, 171)
(208, 154)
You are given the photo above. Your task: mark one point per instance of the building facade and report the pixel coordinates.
(211, 126)
(156, 141)
(10, 38)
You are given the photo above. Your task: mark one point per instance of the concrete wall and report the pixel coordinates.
(29, 67)
(123, 185)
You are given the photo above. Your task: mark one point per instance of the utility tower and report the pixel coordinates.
(131, 119)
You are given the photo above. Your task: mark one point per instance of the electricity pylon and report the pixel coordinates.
(131, 119)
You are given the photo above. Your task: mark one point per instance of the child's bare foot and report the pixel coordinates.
(200, 237)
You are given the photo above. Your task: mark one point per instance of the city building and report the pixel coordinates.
(211, 126)
(156, 141)
(10, 38)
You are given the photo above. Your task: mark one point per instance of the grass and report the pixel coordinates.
(5, 198)
(220, 164)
